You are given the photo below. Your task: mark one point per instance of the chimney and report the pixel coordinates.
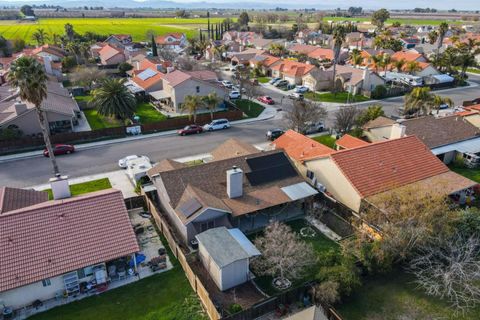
(20, 108)
(47, 61)
(60, 187)
(398, 131)
(234, 182)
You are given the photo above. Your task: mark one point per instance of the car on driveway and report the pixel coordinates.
(217, 124)
(301, 89)
(266, 99)
(227, 84)
(60, 149)
(296, 96)
(123, 163)
(281, 83)
(274, 80)
(191, 129)
(274, 134)
(234, 95)
(314, 127)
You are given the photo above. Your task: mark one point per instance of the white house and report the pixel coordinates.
(226, 253)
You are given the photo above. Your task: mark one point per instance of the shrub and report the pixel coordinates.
(234, 308)
(379, 92)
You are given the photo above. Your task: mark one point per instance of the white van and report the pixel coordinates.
(218, 124)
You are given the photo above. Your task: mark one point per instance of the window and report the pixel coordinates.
(310, 174)
(85, 272)
(46, 282)
(198, 89)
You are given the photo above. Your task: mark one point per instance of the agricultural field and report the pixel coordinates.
(137, 27)
(403, 21)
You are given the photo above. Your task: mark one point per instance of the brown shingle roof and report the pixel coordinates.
(55, 237)
(14, 198)
(436, 132)
(379, 122)
(233, 148)
(165, 165)
(382, 166)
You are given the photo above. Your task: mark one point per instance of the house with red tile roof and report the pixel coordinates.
(292, 71)
(148, 80)
(175, 41)
(55, 53)
(361, 175)
(349, 142)
(265, 62)
(409, 56)
(49, 248)
(110, 55)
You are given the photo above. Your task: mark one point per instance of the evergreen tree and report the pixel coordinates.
(154, 47)
(208, 20)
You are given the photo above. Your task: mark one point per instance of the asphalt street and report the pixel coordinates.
(37, 170)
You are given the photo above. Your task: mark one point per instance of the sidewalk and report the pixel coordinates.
(267, 114)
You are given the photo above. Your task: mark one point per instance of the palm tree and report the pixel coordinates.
(419, 101)
(57, 39)
(192, 104)
(84, 50)
(112, 99)
(432, 37)
(69, 32)
(28, 75)
(356, 57)
(338, 40)
(386, 62)
(211, 102)
(377, 62)
(442, 30)
(40, 36)
(74, 48)
(413, 66)
(399, 64)
(438, 101)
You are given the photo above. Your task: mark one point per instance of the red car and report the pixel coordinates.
(193, 128)
(266, 99)
(59, 149)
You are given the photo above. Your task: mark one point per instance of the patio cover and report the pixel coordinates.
(160, 94)
(299, 191)
(467, 146)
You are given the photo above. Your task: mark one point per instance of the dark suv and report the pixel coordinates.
(274, 134)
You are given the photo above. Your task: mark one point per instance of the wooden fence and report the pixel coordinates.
(112, 133)
(195, 282)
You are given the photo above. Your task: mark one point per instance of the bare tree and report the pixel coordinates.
(167, 54)
(251, 90)
(284, 254)
(87, 76)
(450, 269)
(345, 118)
(303, 113)
(328, 292)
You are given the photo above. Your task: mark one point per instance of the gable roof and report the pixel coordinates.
(108, 52)
(349, 142)
(55, 237)
(379, 122)
(436, 132)
(406, 55)
(53, 50)
(176, 77)
(382, 166)
(293, 68)
(148, 78)
(232, 148)
(303, 48)
(162, 39)
(300, 147)
(322, 54)
(165, 165)
(14, 198)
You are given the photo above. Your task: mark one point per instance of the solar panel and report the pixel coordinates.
(148, 73)
(273, 172)
(190, 207)
(267, 161)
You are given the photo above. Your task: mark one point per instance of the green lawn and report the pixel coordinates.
(97, 121)
(263, 79)
(250, 108)
(83, 100)
(473, 174)
(148, 113)
(394, 296)
(340, 97)
(164, 296)
(327, 140)
(86, 187)
(137, 27)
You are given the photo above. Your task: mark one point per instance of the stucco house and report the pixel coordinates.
(175, 41)
(51, 248)
(110, 56)
(355, 80)
(54, 53)
(318, 80)
(60, 108)
(244, 191)
(291, 71)
(119, 40)
(226, 254)
(363, 174)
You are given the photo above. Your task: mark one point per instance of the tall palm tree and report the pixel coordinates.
(28, 75)
(40, 36)
(211, 102)
(413, 66)
(386, 62)
(113, 99)
(356, 57)
(419, 101)
(377, 62)
(339, 35)
(74, 48)
(192, 104)
(442, 31)
(399, 64)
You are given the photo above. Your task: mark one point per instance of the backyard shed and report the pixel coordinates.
(225, 253)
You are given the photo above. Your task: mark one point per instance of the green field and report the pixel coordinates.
(137, 27)
(403, 21)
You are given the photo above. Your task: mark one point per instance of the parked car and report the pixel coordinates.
(123, 163)
(290, 86)
(227, 84)
(281, 83)
(443, 106)
(296, 96)
(193, 128)
(217, 124)
(314, 127)
(266, 99)
(60, 149)
(236, 88)
(301, 89)
(234, 95)
(274, 80)
(274, 134)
